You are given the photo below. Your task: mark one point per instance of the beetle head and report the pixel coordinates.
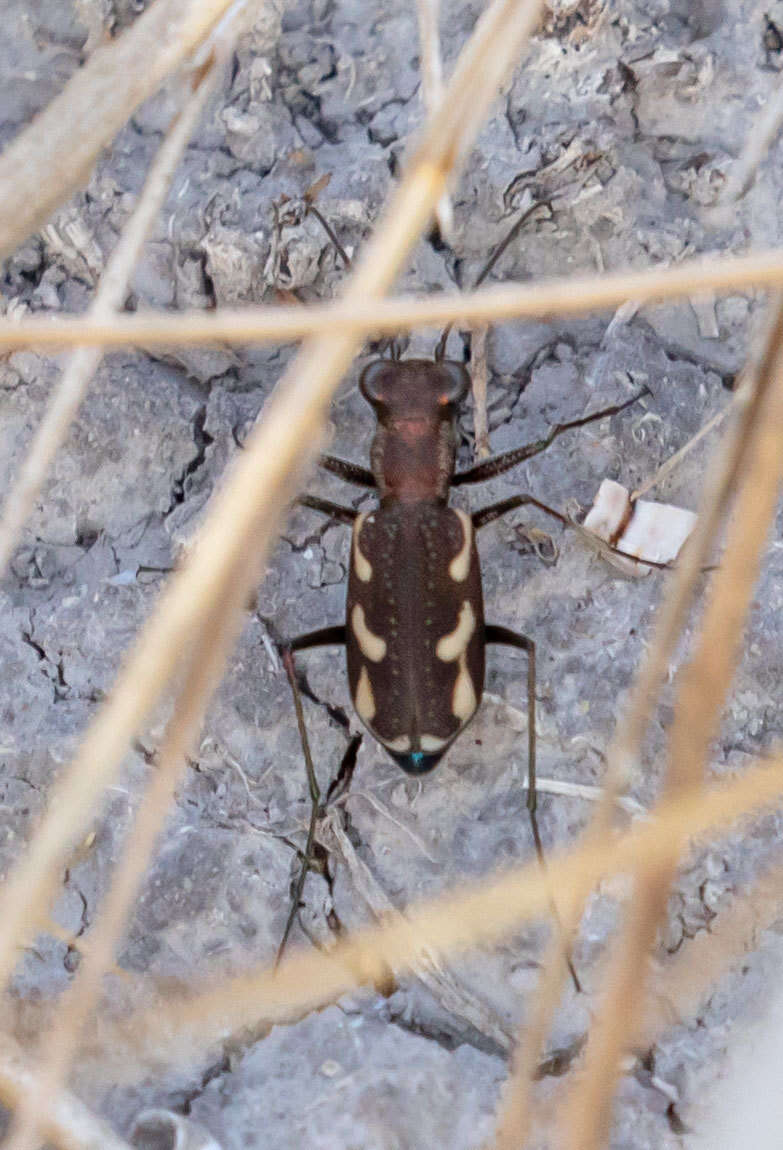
(414, 388)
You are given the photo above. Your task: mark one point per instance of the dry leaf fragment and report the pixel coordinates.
(651, 531)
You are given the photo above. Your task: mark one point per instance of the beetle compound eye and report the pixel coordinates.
(456, 382)
(371, 381)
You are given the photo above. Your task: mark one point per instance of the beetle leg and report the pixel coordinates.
(497, 464)
(509, 638)
(350, 472)
(489, 514)
(486, 515)
(506, 637)
(327, 507)
(325, 636)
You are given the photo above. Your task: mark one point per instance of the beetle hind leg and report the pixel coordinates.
(504, 636)
(324, 637)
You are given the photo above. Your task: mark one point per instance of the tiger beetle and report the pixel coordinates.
(414, 632)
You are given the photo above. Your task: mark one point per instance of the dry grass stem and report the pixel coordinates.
(109, 296)
(258, 325)
(53, 157)
(720, 482)
(475, 915)
(584, 791)
(69, 1124)
(704, 684)
(203, 674)
(623, 752)
(479, 376)
(432, 91)
(245, 512)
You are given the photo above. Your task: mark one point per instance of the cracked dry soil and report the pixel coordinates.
(625, 123)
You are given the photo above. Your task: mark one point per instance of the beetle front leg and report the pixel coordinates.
(350, 472)
(497, 464)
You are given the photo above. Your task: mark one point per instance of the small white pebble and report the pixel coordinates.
(330, 1068)
(666, 1088)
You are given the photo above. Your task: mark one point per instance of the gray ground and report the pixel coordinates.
(626, 122)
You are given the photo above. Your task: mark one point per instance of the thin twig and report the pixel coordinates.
(427, 966)
(109, 296)
(758, 142)
(333, 237)
(584, 791)
(570, 295)
(315, 803)
(385, 813)
(673, 462)
(246, 509)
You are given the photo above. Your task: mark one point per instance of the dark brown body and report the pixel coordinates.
(414, 633)
(414, 617)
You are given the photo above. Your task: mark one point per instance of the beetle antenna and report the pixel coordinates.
(500, 248)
